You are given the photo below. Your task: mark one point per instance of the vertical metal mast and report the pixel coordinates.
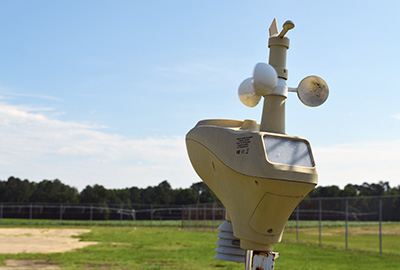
(273, 116)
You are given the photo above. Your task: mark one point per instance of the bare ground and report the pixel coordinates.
(14, 241)
(28, 265)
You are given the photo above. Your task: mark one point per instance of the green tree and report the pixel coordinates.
(163, 193)
(121, 196)
(205, 193)
(185, 196)
(134, 195)
(350, 191)
(54, 192)
(148, 195)
(374, 189)
(16, 190)
(96, 194)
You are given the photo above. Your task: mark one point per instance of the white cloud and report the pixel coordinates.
(396, 116)
(359, 162)
(36, 147)
(7, 93)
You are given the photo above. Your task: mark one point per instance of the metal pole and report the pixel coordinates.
(204, 218)
(347, 223)
(213, 217)
(1, 214)
(182, 217)
(91, 214)
(30, 215)
(248, 260)
(151, 216)
(61, 214)
(197, 217)
(260, 260)
(380, 225)
(320, 222)
(120, 216)
(189, 211)
(297, 223)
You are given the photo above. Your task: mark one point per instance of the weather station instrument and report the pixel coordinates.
(258, 172)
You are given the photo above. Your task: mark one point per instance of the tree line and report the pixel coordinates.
(15, 190)
(375, 189)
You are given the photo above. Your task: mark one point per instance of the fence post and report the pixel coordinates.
(1, 214)
(204, 217)
(347, 223)
(120, 216)
(213, 217)
(197, 216)
(320, 221)
(91, 214)
(61, 209)
(297, 222)
(183, 217)
(189, 212)
(380, 224)
(151, 216)
(30, 215)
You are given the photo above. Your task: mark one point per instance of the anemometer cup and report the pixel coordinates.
(313, 91)
(247, 95)
(263, 82)
(265, 79)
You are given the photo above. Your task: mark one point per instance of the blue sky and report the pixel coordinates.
(105, 91)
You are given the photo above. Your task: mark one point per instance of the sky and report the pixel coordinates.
(104, 92)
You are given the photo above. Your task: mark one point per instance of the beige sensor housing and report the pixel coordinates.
(260, 177)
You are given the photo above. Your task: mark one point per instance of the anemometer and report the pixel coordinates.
(258, 172)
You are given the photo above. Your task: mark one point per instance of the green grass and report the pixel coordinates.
(329, 223)
(193, 224)
(363, 236)
(360, 238)
(172, 248)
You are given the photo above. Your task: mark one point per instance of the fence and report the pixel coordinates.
(346, 223)
(368, 221)
(196, 216)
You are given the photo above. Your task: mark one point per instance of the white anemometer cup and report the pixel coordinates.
(313, 91)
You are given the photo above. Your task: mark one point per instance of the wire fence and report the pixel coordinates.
(196, 216)
(354, 223)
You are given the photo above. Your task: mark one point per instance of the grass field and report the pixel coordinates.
(193, 224)
(363, 236)
(173, 248)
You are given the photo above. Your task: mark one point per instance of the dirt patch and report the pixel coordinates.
(13, 241)
(28, 264)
